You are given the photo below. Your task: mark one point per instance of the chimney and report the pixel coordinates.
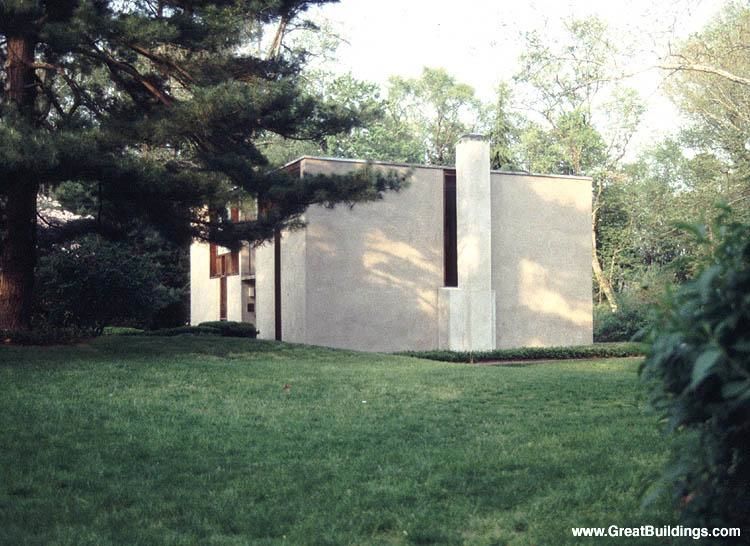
(473, 213)
(467, 312)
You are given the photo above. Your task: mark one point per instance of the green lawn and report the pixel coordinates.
(195, 440)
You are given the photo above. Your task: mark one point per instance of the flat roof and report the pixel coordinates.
(418, 166)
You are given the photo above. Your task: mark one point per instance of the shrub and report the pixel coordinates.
(121, 331)
(698, 369)
(232, 329)
(171, 315)
(183, 330)
(214, 328)
(45, 335)
(623, 325)
(599, 350)
(92, 283)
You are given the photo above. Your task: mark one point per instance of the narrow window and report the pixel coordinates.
(223, 298)
(277, 282)
(213, 267)
(450, 243)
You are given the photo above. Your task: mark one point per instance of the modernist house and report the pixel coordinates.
(462, 259)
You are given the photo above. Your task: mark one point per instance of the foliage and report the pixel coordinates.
(230, 328)
(383, 135)
(710, 79)
(92, 283)
(121, 331)
(197, 441)
(699, 371)
(437, 109)
(583, 117)
(181, 330)
(503, 127)
(224, 328)
(158, 109)
(630, 319)
(598, 350)
(46, 334)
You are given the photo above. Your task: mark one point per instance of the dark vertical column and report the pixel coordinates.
(213, 270)
(223, 298)
(277, 282)
(450, 240)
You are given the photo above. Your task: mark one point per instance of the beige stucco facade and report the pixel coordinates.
(541, 260)
(372, 277)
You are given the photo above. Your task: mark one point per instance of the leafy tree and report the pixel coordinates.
(710, 82)
(678, 180)
(387, 135)
(437, 108)
(418, 120)
(158, 105)
(504, 128)
(584, 121)
(382, 135)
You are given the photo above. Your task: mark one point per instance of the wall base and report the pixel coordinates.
(466, 319)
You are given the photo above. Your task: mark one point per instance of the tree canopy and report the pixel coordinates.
(157, 107)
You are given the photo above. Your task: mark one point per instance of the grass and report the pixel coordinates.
(205, 440)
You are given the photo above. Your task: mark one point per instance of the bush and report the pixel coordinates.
(92, 283)
(45, 335)
(599, 350)
(232, 329)
(121, 331)
(171, 315)
(214, 328)
(698, 369)
(183, 330)
(631, 318)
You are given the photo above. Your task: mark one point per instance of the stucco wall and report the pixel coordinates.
(293, 286)
(234, 298)
(373, 271)
(204, 291)
(264, 304)
(541, 260)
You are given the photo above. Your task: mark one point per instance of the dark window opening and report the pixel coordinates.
(277, 283)
(223, 298)
(450, 239)
(223, 265)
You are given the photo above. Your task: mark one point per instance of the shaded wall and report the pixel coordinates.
(541, 260)
(373, 271)
(264, 304)
(205, 292)
(293, 286)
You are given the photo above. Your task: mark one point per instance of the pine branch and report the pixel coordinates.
(186, 78)
(115, 67)
(78, 93)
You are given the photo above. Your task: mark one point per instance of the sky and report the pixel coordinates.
(479, 41)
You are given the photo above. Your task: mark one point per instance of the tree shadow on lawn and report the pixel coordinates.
(118, 348)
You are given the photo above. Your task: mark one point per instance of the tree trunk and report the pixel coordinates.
(18, 232)
(20, 86)
(18, 256)
(602, 281)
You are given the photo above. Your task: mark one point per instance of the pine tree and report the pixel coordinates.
(157, 106)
